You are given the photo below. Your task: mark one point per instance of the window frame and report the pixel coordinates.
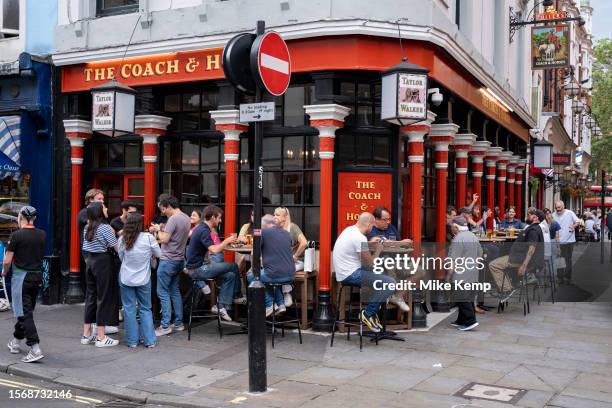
(102, 11)
(12, 33)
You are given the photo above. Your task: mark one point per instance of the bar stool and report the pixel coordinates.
(347, 321)
(192, 309)
(283, 323)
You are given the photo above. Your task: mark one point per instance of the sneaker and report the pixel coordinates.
(160, 331)
(468, 327)
(178, 328)
(88, 340)
(151, 345)
(224, 315)
(369, 321)
(508, 296)
(400, 303)
(206, 289)
(242, 300)
(531, 279)
(377, 322)
(269, 311)
(32, 356)
(288, 299)
(280, 309)
(14, 346)
(214, 309)
(111, 330)
(132, 345)
(106, 342)
(455, 324)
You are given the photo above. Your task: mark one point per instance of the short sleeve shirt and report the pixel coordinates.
(198, 246)
(566, 220)
(295, 233)
(347, 252)
(178, 227)
(554, 227)
(102, 240)
(391, 233)
(28, 246)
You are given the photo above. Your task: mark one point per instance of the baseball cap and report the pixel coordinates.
(28, 211)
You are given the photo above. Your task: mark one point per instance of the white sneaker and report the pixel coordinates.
(399, 302)
(224, 315)
(32, 356)
(178, 328)
(269, 311)
(106, 342)
(205, 289)
(280, 309)
(241, 300)
(111, 330)
(160, 331)
(88, 340)
(288, 299)
(14, 346)
(213, 309)
(468, 328)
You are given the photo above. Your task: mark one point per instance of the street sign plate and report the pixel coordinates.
(256, 112)
(271, 63)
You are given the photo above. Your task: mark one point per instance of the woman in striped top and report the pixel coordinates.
(101, 300)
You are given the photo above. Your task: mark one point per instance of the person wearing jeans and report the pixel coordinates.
(173, 240)
(200, 245)
(135, 251)
(278, 263)
(353, 262)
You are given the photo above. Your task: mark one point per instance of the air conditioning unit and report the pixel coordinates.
(9, 18)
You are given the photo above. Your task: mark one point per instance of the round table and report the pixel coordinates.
(243, 249)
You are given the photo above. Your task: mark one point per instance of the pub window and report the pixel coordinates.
(14, 194)
(429, 193)
(193, 170)
(190, 111)
(116, 154)
(289, 108)
(112, 7)
(368, 149)
(363, 97)
(9, 18)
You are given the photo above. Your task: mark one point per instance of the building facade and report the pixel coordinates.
(327, 155)
(27, 143)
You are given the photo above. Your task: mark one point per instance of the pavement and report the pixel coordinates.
(560, 355)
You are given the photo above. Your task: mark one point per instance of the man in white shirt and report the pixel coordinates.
(567, 238)
(353, 265)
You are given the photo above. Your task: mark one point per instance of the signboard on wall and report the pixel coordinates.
(102, 111)
(360, 192)
(412, 98)
(562, 159)
(550, 46)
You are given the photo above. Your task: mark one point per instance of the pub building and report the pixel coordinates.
(327, 156)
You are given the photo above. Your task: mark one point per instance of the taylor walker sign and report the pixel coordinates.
(412, 97)
(550, 46)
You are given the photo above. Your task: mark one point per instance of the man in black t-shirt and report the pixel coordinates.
(526, 254)
(24, 254)
(127, 207)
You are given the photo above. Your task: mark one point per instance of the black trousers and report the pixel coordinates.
(566, 252)
(25, 327)
(101, 299)
(464, 300)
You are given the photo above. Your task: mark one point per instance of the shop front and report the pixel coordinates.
(327, 155)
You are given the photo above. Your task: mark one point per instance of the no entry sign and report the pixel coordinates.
(270, 63)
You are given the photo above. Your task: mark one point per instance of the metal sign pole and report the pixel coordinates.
(256, 291)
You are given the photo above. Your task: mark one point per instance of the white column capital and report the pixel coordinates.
(329, 111)
(77, 128)
(226, 117)
(464, 139)
(150, 124)
(443, 129)
(480, 147)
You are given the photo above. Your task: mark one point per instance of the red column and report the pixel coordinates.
(462, 145)
(502, 164)
(491, 160)
(327, 119)
(478, 153)
(77, 131)
(518, 188)
(227, 121)
(441, 136)
(150, 127)
(416, 157)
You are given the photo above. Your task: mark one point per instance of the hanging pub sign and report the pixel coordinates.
(550, 46)
(113, 106)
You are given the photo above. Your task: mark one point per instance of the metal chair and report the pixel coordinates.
(282, 324)
(193, 312)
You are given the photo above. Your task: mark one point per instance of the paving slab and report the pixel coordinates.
(391, 378)
(192, 376)
(566, 401)
(327, 375)
(438, 384)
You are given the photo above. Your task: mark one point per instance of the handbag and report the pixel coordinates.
(560, 263)
(309, 257)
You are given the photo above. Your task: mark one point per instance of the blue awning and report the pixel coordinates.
(10, 142)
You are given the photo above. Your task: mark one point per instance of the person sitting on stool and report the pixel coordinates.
(353, 265)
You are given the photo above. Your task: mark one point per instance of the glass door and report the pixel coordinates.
(112, 186)
(133, 189)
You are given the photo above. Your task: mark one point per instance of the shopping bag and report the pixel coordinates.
(309, 258)
(560, 263)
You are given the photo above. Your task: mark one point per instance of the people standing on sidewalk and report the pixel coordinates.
(353, 264)
(465, 245)
(24, 253)
(567, 238)
(173, 237)
(127, 207)
(200, 245)
(609, 223)
(101, 302)
(93, 195)
(277, 262)
(136, 248)
(299, 243)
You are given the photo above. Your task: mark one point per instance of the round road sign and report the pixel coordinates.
(236, 64)
(271, 63)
